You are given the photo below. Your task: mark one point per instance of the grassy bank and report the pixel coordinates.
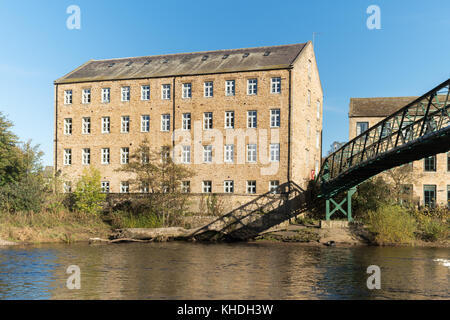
(47, 226)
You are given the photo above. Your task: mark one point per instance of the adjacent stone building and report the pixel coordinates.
(245, 120)
(431, 176)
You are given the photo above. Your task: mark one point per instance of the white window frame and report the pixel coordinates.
(125, 93)
(185, 186)
(230, 88)
(67, 187)
(106, 125)
(274, 152)
(318, 109)
(165, 91)
(275, 85)
(251, 187)
(207, 120)
(145, 123)
(228, 186)
(252, 153)
(86, 125)
(186, 154)
(207, 186)
(207, 154)
(105, 186)
(106, 95)
(252, 119)
(252, 87)
(68, 126)
(273, 186)
(125, 124)
(145, 92)
(317, 139)
(165, 122)
(124, 187)
(105, 154)
(208, 89)
(275, 118)
(308, 98)
(86, 156)
(67, 157)
(124, 155)
(229, 119)
(186, 90)
(86, 96)
(186, 121)
(228, 153)
(68, 96)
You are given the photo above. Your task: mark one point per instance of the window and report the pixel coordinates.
(124, 155)
(207, 120)
(316, 168)
(274, 152)
(106, 125)
(186, 121)
(187, 90)
(125, 124)
(185, 186)
(165, 94)
(252, 86)
(448, 161)
(275, 85)
(68, 126)
(67, 157)
(145, 123)
(229, 153)
(228, 186)
(145, 93)
(165, 122)
(275, 118)
(186, 154)
(317, 139)
(309, 69)
(361, 127)
(308, 98)
(229, 88)
(207, 186)
(144, 157)
(105, 186)
(86, 125)
(105, 155)
(448, 196)
(251, 119)
(273, 186)
(165, 153)
(124, 187)
(307, 157)
(430, 163)
(86, 96)
(67, 187)
(144, 187)
(86, 156)
(251, 186)
(125, 94)
(229, 119)
(68, 97)
(429, 195)
(386, 129)
(207, 154)
(251, 153)
(208, 89)
(106, 95)
(318, 109)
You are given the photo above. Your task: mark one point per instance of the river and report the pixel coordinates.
(261, 270)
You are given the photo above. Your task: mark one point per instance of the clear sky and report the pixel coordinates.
(409, 55)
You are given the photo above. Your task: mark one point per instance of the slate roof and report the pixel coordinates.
(207, 62)
(377, 107)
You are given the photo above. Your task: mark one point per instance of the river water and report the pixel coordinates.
(260, 270)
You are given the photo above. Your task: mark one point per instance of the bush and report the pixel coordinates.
(121, 219)
(88, 196)
(434, 223)
(370, 195)
(391, 224)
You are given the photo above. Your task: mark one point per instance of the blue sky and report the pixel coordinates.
(408, 56)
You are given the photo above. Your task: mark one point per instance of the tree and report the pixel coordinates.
(154, 172)
(400, 180)
(335, 146)
(9, 153)
(88, 196)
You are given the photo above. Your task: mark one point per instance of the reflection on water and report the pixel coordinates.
(180, 270)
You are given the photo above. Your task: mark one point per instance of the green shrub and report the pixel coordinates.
(391, 224)
(88, 196)
(434, 230)
(122, 219)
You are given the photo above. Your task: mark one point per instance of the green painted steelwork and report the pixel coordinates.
(339, 206)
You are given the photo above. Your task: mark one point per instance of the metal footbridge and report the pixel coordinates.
(418, 130)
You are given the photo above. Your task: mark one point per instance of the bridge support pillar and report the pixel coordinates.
(340, 206)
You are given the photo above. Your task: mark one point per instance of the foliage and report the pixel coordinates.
(370, 195)
(212, 205)
(336, 145)
(126, 219)
(400, 180)
(434, 224)
(88, 196)
(9, 153)
(391, 224)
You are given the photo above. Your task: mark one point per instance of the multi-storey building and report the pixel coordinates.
(244, 120)
(431, 176)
